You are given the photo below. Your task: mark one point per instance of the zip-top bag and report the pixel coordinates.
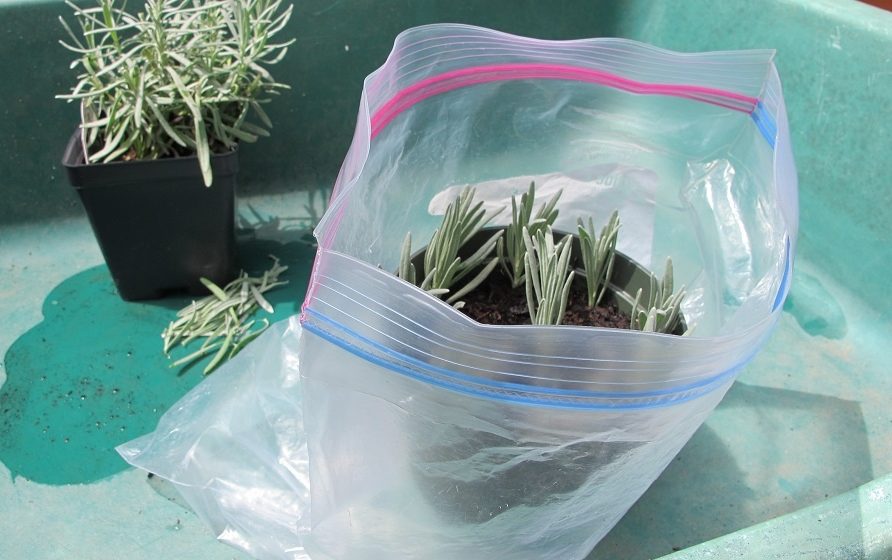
(432, 436)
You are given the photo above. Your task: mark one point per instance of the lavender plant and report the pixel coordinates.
(443, 268)
(512, 249)
(660, 313)
(223, 319)
(178, 77)
(547, 275)
(598, 252)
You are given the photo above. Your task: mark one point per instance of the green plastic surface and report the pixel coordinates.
(853, 525)
(90, 376)
(808, 423)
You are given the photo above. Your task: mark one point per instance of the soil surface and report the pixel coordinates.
(495, 302)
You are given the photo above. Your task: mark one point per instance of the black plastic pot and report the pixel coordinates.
(159, 228)
(527, 483)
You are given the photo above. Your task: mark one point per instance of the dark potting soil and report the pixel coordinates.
(495, 302)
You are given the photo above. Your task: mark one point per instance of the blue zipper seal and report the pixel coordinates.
(695, 390)
(765, 123)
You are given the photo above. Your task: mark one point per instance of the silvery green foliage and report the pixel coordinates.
(178, 77)
(660, 312)
(223, 319)
(443, 268)
(406, 270)
(598, 252)
(547, 275)
(512, 249)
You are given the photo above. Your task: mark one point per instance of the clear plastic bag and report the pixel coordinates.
(430, 436)
(235, 448)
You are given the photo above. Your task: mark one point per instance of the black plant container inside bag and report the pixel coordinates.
(159, 228)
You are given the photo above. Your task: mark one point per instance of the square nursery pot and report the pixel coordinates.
(527, 483)
(627, 278)
(159, 228)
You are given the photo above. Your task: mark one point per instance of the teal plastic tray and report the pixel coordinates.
(794, 462)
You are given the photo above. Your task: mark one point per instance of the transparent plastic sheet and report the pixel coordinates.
(411, 470)
(235, 448)
(430, 436)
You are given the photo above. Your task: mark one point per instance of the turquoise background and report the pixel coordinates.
(807, 426)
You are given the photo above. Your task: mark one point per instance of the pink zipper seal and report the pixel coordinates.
(456, 79)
